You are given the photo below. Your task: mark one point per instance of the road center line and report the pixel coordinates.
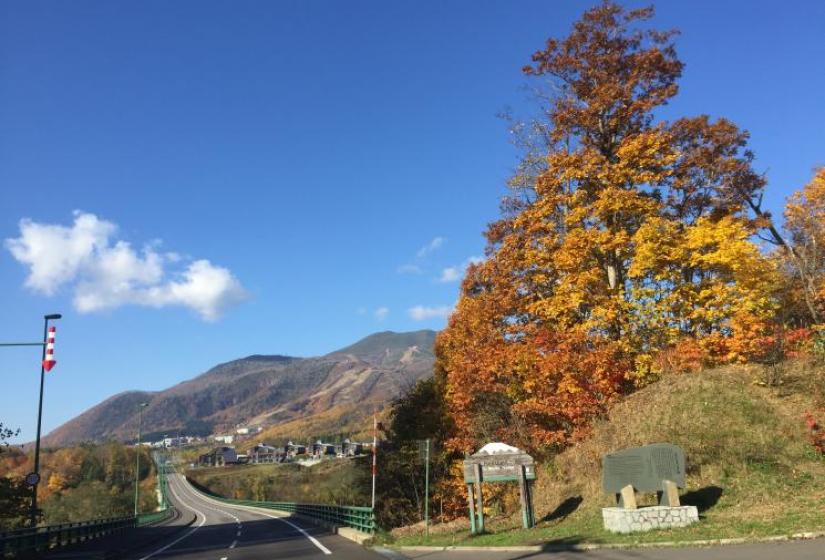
(188, 533)
(311, 539)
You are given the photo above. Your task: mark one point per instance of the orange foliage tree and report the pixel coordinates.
(805, 223)
(630, 235)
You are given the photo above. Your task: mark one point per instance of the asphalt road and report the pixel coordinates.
(226, 532)
(207, 529)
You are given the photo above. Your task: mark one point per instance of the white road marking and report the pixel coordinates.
(224, 558)
(311, 539)
(188, 533)
(191, 492)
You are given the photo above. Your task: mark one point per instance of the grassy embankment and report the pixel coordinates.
(751, 470)
(340, 481)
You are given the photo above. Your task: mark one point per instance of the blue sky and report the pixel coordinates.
(325, 164)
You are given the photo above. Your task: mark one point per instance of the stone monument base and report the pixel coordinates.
(621, 520)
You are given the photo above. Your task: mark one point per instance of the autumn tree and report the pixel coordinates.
(804, 255)
(14, 493)
(632, 234)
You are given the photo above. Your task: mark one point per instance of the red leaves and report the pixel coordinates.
(816, 433)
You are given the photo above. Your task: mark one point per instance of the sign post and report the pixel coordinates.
(498, 462)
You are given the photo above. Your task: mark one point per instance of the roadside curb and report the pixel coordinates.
(807, 535)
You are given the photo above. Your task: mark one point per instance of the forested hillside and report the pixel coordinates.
(341, 387)
(79, 483)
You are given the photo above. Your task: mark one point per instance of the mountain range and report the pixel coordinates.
(266, 390)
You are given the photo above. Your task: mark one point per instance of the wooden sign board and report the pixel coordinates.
(643, 468)
(499, 467)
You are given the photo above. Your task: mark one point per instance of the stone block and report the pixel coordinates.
(621, 520)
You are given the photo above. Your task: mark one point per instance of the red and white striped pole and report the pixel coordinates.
(374, 455)
(46, 364)
(49, 361)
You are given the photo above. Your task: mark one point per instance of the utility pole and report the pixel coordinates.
(427, 491)
(424, 454)
(137, 456)
(34, 477)
(374, 455)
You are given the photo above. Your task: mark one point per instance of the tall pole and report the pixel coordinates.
(374, 455)
(33, 513)
(427, 491)
(137, 457)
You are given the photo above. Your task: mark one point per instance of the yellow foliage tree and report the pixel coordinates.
(633, 235)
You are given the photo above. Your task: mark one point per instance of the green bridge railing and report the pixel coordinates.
(356, 517)
(44, 538)
(55, 536)
(164, 511)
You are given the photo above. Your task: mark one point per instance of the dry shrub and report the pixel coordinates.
(817, 431)
(685, 356)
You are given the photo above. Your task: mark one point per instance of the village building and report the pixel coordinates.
(218, 457)
(292, 449)
(351, 448)
(263, 453)
(321, 449)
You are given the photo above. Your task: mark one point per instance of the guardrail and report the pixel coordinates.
(53, 536)
(164, 511)
(357, 517)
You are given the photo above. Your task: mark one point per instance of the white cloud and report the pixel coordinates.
(450, 274)
(107, 273)
(409, 269)
(361, 311)
(423, 312)
(454, 273)
(55, 254)
(381, 313)
(433, 245)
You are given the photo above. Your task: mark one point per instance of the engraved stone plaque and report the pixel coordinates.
(644, 468)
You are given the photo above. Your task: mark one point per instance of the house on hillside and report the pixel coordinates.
(351, 448)
(263, 453)
(248, 430)
(292, 449)
(321, 449)
(218, 457)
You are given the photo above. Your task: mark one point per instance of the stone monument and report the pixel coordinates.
(660, 468)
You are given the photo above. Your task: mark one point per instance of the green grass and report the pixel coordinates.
(741, 439)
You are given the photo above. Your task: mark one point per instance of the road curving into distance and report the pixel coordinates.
(204, 528)
(223, 531)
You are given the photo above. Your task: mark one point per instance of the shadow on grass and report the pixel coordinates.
(564, 509)
(704, 498)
